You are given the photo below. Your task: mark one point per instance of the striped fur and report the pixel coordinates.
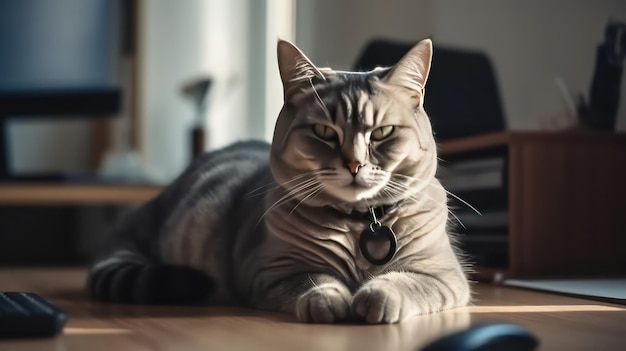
(277, 227)
(172, 234)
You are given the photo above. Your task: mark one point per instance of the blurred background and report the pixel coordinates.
(156, 78)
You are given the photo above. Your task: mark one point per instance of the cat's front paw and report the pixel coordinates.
(326, 303)
(378, 303)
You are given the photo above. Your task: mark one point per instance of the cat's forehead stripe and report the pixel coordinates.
(366, 109)
(340, 117)
(350, 98)
(347, 104)
(380, 113)
(363, 99)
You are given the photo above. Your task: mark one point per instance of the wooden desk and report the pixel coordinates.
(562, 323)
(566, 199)
(76, 194)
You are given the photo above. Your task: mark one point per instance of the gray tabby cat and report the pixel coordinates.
(341, 218)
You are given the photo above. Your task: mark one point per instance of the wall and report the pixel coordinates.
(48, 145)
(55, 45)
(232, 42)
(530, 42)
(171, 36)
(333, 33)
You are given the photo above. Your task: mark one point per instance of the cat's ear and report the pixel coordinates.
(411, 72)
(296, 70)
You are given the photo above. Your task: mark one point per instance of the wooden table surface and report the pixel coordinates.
(58, 194)
(561, 323)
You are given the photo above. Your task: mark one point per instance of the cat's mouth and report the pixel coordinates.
(357, 185)
(354, 191)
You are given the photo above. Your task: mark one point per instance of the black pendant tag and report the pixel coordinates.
(378, 242)
(374, 242)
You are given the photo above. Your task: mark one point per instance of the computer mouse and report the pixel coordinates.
(486, 337)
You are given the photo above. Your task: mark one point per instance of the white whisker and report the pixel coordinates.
(399, 188)
(274, 186)
(319, 100)
(316, 190)
(440, 187)
(464, 202)
(301, 189)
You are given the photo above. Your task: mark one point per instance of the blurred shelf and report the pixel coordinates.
(508, 138)
(76, 194)
(565, 196)
(473, 143)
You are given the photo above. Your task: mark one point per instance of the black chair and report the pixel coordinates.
(462, 96)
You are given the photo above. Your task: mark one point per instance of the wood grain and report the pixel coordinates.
(468, 144)
(567, 199)
(561, 323)
(75, 194)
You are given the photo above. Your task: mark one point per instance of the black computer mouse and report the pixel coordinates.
(486, 337)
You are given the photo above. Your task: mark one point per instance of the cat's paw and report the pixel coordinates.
(326, 303)
(378, 303)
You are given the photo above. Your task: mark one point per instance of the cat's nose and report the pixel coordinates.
(354, 167)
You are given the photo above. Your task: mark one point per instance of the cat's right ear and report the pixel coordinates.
(296, 71)
(411, 72)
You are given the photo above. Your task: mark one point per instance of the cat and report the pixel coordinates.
(340, 218)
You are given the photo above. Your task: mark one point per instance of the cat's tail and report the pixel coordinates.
(128, 277)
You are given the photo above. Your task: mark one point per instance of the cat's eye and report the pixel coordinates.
(381, 133)
(324, 132)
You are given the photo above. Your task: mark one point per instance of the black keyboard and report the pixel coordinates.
(28, 315)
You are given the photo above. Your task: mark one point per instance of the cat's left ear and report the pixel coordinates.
(296, 70)
(411, 72)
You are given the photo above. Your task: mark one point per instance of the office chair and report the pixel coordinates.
(462, 96)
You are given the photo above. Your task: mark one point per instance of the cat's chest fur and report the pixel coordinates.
(322, 240)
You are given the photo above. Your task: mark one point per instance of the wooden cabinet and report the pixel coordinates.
(566, 201)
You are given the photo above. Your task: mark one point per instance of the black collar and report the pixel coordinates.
(379, 211)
